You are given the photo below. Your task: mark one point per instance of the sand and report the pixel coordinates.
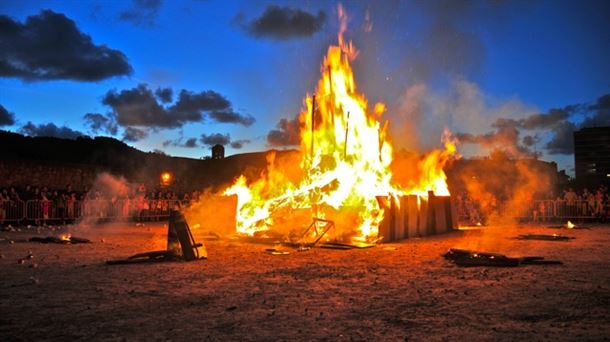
(390, 292)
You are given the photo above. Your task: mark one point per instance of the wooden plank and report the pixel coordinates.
(401, 218)
(386, 223)
(422, 222)
(453, 217)
(440, 213)
(393, 218)
(412, 216)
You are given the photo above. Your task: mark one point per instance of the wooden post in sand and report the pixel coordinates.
(422, 215)
(413, 216)
(401, 218)
(385, 226)
(449, 213)
(412, 209)
(440, 213)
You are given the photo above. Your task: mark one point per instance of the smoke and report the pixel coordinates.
(212, 213)
(422, 114)
(108, 187)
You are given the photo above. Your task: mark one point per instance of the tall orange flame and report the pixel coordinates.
(346, 156)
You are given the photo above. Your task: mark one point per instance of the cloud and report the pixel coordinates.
(596, 114)
(562, 141)
(189, 143)
(207, 140)
(139, 106)
(237, 144)
(100, 123)
(282, 23)
(141, 12)
(165, 95)
(49, 46)
(557, 124)
(600, 113)
(6, 118)
(209, 100)
(49, 130)
(133, 134)
(229, 116)
(549, 119)
(286, 134)
(215, 138)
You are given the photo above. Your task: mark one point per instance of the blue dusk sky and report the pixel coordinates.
(179, 76)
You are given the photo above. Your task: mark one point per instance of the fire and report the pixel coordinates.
(345, 155)
(166, 178)
(570, 225)
(65, 237)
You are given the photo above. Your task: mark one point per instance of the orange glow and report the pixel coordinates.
(166, 178)
(345, 155)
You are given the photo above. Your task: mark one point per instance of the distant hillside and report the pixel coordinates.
(116, 157)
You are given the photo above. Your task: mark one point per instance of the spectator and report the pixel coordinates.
(71, 206)
(3, 205)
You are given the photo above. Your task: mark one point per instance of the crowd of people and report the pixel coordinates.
(587, 204)
(42, 205)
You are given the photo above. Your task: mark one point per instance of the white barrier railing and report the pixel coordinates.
(146, 210)
(545, 210)
(47, 210)
(562, 209)
(12, 211)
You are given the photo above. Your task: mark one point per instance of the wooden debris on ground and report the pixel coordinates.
(563, 226)
(544, 237)
(59, 240)
(274, 251)
(181, 245)
(468, 258)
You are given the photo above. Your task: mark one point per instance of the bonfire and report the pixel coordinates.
(345, 157)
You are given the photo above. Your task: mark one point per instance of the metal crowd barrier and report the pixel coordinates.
(561, 209)
(552, 210)
(52, 211)
(12, 211)
(148, 210)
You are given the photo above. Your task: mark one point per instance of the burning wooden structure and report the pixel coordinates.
(346, 171)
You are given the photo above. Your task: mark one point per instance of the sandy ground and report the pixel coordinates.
(390, 292)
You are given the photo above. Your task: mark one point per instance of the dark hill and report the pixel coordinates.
(19, 154)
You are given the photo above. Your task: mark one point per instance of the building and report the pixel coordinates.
(592, 156)
(218, 151)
